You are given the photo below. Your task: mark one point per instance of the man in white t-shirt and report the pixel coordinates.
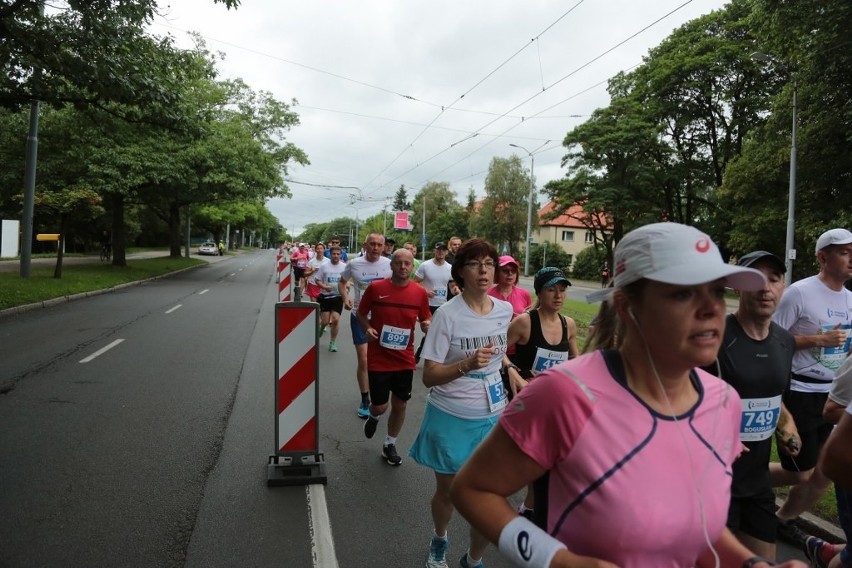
(314, 264)
(818, 312)
(435, 275)
(361, 271)
(330, 301)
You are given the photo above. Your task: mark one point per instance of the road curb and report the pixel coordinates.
(816, 526)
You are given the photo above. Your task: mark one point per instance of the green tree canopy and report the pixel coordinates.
(502, 218)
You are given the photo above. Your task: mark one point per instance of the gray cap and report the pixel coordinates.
(751, 258)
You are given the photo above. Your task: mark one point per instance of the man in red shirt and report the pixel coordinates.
(388, 311)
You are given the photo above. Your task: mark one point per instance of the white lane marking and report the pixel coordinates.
(322, 542)
(101, 351)
(204, 291)
(233, 273)
(174, 308)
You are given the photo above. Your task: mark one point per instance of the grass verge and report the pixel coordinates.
(825, 508)
(78, 278)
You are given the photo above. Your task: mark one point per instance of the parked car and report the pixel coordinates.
(208, 248)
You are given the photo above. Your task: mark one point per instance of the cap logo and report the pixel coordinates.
(620, 267)
(702, 245)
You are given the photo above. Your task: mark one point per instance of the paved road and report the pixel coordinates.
(154, 453)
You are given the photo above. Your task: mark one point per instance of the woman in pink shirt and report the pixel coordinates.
(630, 448)
(506, 287)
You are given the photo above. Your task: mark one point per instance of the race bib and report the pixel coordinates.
(759, 418)
(394, 337)
(833, 357)
(301, 264)
(495, 392)
(546, 358)
(332, 279)
(440, 292)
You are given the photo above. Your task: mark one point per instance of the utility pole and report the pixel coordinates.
(30, 177)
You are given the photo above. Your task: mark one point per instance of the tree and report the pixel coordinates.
(439, 199)
(661, 148)
(452, 223)
(68, 205)
(89, 54)
(615, 176)
(809, 41)
(400, 200)
(502, 218)
(549, 254)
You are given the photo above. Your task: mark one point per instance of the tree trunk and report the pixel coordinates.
(174, 230)
(119, 246)
(57, 272)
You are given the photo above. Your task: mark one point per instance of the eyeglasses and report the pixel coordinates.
(476, 265)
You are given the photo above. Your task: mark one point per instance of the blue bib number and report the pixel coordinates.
(395, 338)
(759, 418)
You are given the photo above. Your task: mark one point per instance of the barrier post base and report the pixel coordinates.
(286, 470)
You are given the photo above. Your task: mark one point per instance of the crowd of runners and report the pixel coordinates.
(648, 446)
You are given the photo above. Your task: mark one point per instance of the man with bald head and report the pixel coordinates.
(388, 311)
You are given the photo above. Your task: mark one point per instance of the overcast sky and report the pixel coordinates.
(408, 92)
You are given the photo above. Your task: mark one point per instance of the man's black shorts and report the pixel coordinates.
(806, 408)
(754, 516)
(382, 383)
(331, 304)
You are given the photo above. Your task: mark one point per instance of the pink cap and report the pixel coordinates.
(506, 259)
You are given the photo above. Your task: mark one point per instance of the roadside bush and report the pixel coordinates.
(588, 264)
(552, 255)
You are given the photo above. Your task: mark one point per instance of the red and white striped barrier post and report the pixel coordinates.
(285, 281)
(297, 460)
(277, 260)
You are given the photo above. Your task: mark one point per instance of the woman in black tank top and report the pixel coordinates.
(542, 337)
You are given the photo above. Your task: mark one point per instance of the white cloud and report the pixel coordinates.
(351, 66)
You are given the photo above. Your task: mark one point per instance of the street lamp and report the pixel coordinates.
(789, 251)
(529, 205)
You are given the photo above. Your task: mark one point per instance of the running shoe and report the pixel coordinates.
(464, 562)
(817, 550)
(438, 553)
(322, 330)
(389, 452)
(364, 410)
(789, 532)
(370, 426)
(332, 346)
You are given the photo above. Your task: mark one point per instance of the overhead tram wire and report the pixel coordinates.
(374, 117)
(563, 101)
(537, 94)
(308, 67)
(443, 108)
(331, 74)
(468, 91)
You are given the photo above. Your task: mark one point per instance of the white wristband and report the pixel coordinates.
(527, 545)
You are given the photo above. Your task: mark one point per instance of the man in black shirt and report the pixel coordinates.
(756, 358)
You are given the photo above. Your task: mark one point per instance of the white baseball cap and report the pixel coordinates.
(833, 237)
(677, 254)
